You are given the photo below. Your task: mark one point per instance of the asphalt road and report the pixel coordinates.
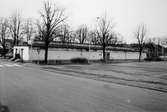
(30, 89)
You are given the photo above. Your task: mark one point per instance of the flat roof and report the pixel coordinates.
(84, 46)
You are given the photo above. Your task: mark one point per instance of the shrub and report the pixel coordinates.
(153, 59)
(79, 60)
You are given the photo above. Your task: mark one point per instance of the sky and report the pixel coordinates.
(125, 14)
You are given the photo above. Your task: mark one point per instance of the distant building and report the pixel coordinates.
(154, 50)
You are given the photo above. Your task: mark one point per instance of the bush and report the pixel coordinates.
(79, 60)
(51, 62)
(3, 52)
(153, 59)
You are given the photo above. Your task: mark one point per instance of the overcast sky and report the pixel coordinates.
(126, 14)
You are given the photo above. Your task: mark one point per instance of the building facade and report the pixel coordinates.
(68, 52)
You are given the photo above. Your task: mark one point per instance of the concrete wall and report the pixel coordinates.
(23, 51)
(125, 55)
(66, 54)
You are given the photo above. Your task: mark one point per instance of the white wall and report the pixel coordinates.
(67, 54)
(64, 54)
(125, 55)
(23, 51)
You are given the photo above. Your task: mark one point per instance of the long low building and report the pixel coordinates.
(66, 51)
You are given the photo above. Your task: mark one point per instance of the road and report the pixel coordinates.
(30, 89)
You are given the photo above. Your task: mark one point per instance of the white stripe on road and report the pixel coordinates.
(17, 65)
(10, 65)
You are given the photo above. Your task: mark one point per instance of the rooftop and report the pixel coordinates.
(84, 46)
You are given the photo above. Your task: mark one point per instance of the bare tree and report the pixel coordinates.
(119, 39)
(72, 36)
(93, 35)
(3, 34)
(15, 28)
(105, 34)
(65, 34)
(28, 29)
(82, 33)
(140, 35)
(40, 31)
(113, 39)
(51, 21)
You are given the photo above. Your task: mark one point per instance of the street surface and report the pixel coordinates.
(84, 88)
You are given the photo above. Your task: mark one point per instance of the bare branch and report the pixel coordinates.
(82, 33)
(28, 29)
(140, 35)
(51, 20)
(15, 28)
(104, 32)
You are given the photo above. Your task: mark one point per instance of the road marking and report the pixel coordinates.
(17, 65)
(10, 65)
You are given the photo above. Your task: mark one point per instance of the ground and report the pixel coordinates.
(123, 87)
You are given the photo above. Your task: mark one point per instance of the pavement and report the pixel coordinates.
(148, 75)
(64, 88)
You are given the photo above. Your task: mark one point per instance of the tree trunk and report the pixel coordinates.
(17, 40)
(140, 54)
(46, 52)
(14, 42)
(104, 52)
